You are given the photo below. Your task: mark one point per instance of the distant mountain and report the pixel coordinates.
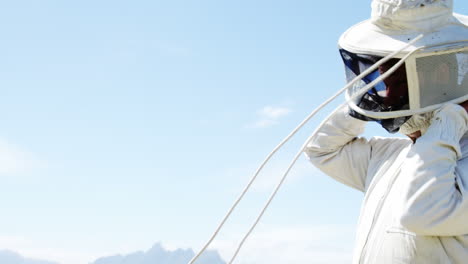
(158, 255)
(9, 257)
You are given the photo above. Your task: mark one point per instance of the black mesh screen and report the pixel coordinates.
(389, 95)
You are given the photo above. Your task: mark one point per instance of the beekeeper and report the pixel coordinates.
(415, 208)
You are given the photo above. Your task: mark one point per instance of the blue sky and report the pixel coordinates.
(124, 123)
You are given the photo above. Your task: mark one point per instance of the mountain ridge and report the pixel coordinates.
(156, 254)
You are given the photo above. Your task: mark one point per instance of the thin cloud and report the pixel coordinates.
(274, 112)
(270, 115)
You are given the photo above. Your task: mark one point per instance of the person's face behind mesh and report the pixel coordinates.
(396, 84)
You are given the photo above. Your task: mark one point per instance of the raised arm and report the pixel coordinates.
(434, 193)
(337, 151)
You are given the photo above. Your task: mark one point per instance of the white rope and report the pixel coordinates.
(302, 149)
(320, 107)
(283, 178)
(399, 113)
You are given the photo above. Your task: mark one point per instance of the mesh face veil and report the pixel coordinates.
(388, 95)
(428, 78)
(440, 77)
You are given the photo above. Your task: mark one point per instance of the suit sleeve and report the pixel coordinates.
(434, 197)
(338, 152)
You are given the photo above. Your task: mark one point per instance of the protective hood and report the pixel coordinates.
(434, 69)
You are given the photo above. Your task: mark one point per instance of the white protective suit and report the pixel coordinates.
(415, 208)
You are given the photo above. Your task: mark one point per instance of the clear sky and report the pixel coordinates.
(126, 123)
